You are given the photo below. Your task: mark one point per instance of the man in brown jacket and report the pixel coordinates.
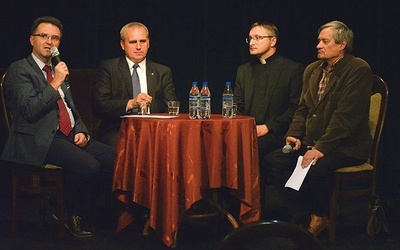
(330, 127)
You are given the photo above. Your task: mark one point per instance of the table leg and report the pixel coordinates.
(221, 210)
(146, 228)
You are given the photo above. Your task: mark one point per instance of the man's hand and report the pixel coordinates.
(311, 156)
(80, 140)
(60, 72)
(142, 97)
(297, 142)
(262, 130)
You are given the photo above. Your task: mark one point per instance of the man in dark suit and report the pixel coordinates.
(268, 88)
(47, 128)
(116, 92)
(329, 129)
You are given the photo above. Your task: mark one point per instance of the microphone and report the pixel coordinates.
(288, 148)
(55, 59)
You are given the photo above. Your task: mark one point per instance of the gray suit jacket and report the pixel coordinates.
(113, 89)
(33, 106)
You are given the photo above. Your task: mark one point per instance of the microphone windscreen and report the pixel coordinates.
(287, 149)
(55, 56)
(54, 51)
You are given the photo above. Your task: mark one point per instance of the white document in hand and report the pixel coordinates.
(298, 175)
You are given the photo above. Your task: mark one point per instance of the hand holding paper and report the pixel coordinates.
(298, 175)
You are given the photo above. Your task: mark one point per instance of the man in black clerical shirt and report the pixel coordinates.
(268, 88)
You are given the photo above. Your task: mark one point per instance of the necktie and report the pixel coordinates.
(322, 85)
(64, 121)
(135, 81)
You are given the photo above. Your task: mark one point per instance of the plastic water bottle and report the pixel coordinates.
(205, 102)
(227, 101)
(194, 98)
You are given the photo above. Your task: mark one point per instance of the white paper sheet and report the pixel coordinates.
(151, 116)
(298, 175)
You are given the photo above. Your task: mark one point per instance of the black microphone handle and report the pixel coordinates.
(55, 60)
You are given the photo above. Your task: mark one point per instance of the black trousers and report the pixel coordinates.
(269, 143)
(266, 144)
(109, 137)
(316, 190)
(88, 171)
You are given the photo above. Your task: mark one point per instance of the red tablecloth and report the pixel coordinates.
(163, 163)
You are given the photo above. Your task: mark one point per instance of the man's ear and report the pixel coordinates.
(274, 40)
(343, 44)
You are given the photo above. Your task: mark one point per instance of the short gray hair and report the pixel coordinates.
(340, 32)
(132, 24)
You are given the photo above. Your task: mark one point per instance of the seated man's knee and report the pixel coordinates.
(90, 168)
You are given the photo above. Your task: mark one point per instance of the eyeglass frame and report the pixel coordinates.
(47, 36)
(257, 38)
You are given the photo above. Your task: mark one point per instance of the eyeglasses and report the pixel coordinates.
(47, 36)
(256, 38)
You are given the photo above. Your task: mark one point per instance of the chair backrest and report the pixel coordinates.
(270, 235)
(377, 114)
(5, 115)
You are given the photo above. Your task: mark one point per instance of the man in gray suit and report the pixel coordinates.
(115, 91)
(37, 97)
(268, 88)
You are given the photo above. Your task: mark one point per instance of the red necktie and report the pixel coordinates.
(64, 121)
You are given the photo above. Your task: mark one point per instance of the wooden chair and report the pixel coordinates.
(365, 173)
(42, 181)
(270, 235)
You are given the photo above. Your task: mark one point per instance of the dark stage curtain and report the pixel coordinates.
(204, 40)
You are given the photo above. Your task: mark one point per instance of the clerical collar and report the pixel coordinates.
(269, 59)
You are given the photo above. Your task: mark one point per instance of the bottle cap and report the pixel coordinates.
(205, 83)
(228, 83)
(194, 83)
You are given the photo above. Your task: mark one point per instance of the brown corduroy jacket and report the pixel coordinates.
(339, 121)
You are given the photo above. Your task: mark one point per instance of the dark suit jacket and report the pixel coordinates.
(33, 105)
(113, 89)
(339, 121)
(282, 94)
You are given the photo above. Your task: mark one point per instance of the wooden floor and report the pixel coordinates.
(351, 232)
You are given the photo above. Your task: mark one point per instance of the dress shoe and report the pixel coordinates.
(73, 224)
(317, 224)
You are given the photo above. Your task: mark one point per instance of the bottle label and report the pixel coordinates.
(227, 97)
